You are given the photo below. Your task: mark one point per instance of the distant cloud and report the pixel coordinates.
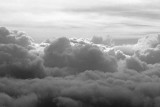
(100, 16)
(14, 37)
(124, 10)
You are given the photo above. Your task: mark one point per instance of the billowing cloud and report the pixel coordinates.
(136, 64)
(14, 37)
(80, 57)
(78, 73)
(149, 41)
(16, 61)
(150, 56)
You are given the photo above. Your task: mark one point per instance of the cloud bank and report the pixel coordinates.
(70, 72)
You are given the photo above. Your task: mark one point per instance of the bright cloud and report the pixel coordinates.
(80, 16)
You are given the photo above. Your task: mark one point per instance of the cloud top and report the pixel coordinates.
(69, 72)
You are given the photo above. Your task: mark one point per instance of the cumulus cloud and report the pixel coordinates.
(16, 61)
(77, 73)
(136, 64)
(150, 56)
(148, 41)
(14, 37)
(80, 57)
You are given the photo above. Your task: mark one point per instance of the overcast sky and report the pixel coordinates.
(79, 18)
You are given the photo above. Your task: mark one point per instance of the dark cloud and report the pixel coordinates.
(75, 91)
(135, 64)
(80, 57)
(14, 37)
(78, 73)
(16, 61)
(4, 31)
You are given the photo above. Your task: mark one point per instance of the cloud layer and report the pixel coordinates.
(69, 72)
(82, 17)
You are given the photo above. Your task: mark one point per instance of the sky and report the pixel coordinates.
(79, 72)
(43, 19)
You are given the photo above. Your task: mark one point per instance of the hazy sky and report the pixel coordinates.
(81, 18)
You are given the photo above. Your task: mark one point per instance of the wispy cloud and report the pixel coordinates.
(101, 15)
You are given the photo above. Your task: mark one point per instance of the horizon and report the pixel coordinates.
(81, 18)
(116, 40)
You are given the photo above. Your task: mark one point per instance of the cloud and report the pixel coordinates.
(23, 101)
(147, 49)
(69, 72)
(16, 61)
(150, 41)
(136, 64)
(77, 92)
(124, 10)
(150, 56)
(104, 15)
(14, 37)
(99, 40)
(126, 49)
(80, 57)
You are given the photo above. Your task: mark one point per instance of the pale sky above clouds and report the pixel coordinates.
(79, 18)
